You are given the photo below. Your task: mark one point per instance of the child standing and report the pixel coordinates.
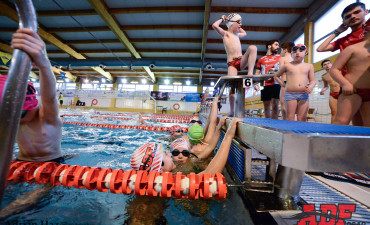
(298, 74)
(236, 61)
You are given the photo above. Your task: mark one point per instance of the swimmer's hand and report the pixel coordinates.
(232, 126)
(224, 18)
(309, 89)
(30, 42)
(322, 92)
(347, 88)
(342, 28)
(222, 121)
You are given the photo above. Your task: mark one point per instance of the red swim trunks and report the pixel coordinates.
(364, 93)
(334, 94)
(235, 63)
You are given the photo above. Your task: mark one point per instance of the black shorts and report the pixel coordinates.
(59, 160)
(269, 92)
(61, 102)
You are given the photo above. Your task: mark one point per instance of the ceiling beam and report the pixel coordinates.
(12, 14)
(96, 51)
(102, 72)
(207, 10)
(160, 27)
(165, 9)
(6, 48)
(68, 74)
(258, 10)
(80, 12)
(163, 40)
(101, 8)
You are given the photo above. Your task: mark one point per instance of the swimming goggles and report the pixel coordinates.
(179, 131)
(196, 121)
(185, 153)
(301, 48)
(236, 21)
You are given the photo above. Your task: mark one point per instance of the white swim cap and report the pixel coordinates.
(232, 18)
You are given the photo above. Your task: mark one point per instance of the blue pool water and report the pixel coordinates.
(112, 148)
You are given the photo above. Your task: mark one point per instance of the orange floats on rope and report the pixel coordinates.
(138, 182)
(94, 101)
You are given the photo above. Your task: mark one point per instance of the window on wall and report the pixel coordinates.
(70, 86)
(126, 87)
(299, 40)
(177, 88)
(190, 89)
(87, 86)
(144, 87)
(165, 88)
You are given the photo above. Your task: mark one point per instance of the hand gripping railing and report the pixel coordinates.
(14, 93)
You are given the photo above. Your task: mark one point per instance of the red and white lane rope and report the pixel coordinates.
(138, 182)
(111, 126)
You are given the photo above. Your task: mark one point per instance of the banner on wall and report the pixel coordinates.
(173, 96)
(192, 97)
(158, 95)
(5, 57)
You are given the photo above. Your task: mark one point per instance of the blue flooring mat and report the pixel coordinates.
(306, 127)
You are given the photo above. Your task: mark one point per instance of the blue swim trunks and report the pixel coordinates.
(289, 96)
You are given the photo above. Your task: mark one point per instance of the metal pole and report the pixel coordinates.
(288, 182)
(239, 99)
(14, 93)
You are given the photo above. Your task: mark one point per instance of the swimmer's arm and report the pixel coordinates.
(311, 79)
(213, 142)
(326, 86)
(278, 74)
(30, 42)
(212, 116)
(326, 46)
(219, 161)
(242, 33)
(335, 71)
(217, 28)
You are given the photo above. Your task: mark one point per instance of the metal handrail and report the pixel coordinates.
(14, 93)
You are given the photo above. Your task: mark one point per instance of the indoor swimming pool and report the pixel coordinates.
(112, 148)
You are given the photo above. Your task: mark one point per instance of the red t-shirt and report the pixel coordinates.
(353, 38)
(267, 62)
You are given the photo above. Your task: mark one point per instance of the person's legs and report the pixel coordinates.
(348, 106)
(282, 105)
(333, 103)
(267, 107)
(249, 58)
(231, 71)
(302, 109)
(275, 108)
(365, 113)
(291, 107)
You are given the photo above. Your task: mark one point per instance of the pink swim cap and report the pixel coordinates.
(174, 128)
(180, 142)
(148, 157)
(30, 101)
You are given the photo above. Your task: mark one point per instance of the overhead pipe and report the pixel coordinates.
(14, 93)
(190, 63)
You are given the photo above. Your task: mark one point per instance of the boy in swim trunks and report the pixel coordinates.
(286, 57)
(298, 74)
(40, 129)
(355, 96)
(334, 88)
(235, 58)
